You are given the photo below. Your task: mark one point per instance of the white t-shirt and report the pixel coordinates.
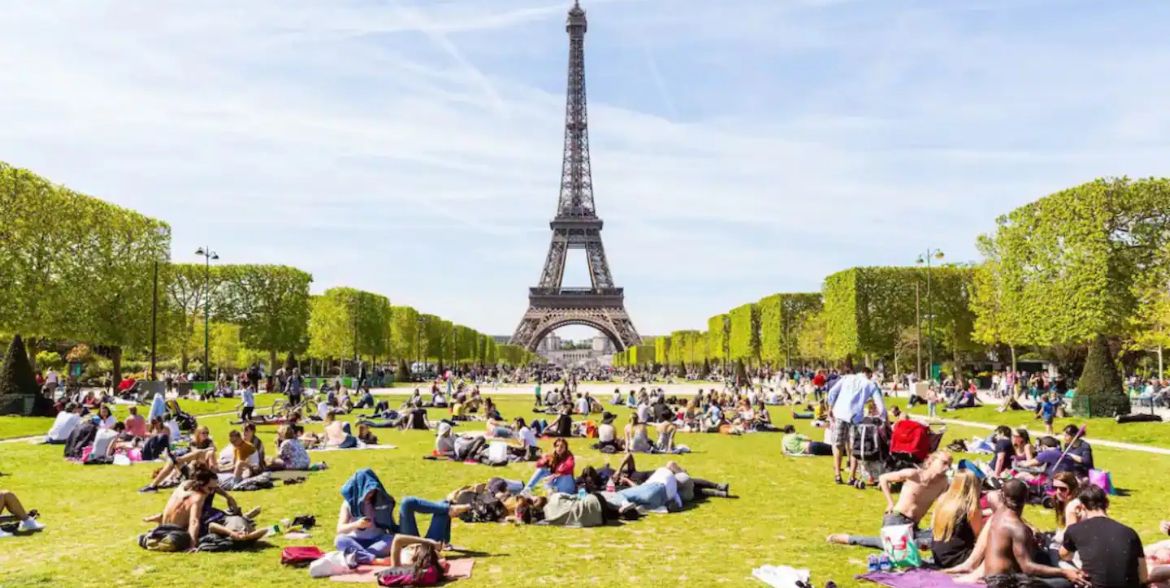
(322, 409)
(606, 433)
(173, 429)
(108, 422)
(249, 398)
(583, 405)
(643, 413)
(666, 477)
(101, 441)
(51, 377)
(63, 426)
(527, 436)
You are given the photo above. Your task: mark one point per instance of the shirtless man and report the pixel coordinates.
(920, 488)
(189, 503)
(1010, 543)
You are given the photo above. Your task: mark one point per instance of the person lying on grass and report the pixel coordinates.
(628, 476)
(9, 502)
(920, 488)
(796, 444)
(201, 451)
(337, 433)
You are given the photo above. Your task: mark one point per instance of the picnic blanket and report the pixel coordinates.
(356, 448)
(458, 570)
(915, 578)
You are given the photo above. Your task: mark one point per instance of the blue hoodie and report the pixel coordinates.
(361, 484)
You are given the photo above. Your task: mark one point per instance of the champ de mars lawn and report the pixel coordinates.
(786, 507)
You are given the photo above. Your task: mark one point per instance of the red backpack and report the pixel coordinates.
(300, 556)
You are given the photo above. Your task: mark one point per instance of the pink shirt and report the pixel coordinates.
(136, 425)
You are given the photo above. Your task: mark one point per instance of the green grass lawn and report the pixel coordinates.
(785, 509)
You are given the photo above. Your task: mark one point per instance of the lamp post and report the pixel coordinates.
(418, 341)
(208, 256)
(161, 232)
(925, 259)
(918, 327)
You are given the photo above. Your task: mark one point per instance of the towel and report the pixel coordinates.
(780, 576)
(914, 578)
(458, 569)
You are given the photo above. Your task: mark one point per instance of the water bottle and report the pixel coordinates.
(884, 563)
(873, 564)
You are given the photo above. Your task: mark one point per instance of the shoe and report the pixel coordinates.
(146, 489)
(4, 534)
(30, 524)
(723, 487)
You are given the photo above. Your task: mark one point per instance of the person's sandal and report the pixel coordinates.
(838, 479)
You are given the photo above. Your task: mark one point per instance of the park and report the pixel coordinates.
(189, 399)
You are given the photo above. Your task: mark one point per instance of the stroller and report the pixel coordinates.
(870, 441)
(911, 442)
(186, 421)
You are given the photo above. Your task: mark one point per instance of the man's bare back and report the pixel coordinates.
(182, 503)
(1007, 531)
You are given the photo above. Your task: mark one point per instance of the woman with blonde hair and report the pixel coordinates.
(957, 521)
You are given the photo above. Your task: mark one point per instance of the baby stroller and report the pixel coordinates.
(911, 443)
(870, 441)
(186, 421)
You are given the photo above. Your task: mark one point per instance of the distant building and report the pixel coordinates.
(593, 352)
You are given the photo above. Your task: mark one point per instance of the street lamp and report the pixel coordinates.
(161, 231)
(924, 259)
(418, 342)
(208, 256)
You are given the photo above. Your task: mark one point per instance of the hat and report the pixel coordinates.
(607, 417)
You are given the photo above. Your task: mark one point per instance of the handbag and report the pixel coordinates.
(300, 556)
(898, 544)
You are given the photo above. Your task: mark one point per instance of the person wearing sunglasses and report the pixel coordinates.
(1065, 487)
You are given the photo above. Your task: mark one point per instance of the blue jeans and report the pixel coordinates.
(365, 550)
(561, 483)
(648, 496)
(440, 529)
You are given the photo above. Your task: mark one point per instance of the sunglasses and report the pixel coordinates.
(1060, 488)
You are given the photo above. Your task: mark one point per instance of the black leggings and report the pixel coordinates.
(246, 414)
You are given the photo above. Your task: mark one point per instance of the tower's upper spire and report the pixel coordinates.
(576, 199)
(576, 18)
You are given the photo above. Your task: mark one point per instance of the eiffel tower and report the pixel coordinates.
(576, 226)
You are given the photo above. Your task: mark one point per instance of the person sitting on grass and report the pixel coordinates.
(63, 425)
(261, 463)
(957, 522)
(796, 444)
(293, 455)
(28, 522)
(366, 524)
(337, 433)
(189, 514)
(202, 450)
(637, 440)
(1008, 560)
(558, 467)
(920, 488)
(135, 424)
(1111, 553)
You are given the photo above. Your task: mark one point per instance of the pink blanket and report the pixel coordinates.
(917, 578)
(458, 570)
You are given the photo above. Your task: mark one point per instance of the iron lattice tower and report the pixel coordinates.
(576, 226)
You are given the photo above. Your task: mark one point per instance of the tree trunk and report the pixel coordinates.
(116, 359)
(1013, 348)
(272, 361)
(184, 360)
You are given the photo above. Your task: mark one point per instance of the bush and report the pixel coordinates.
(17, 384)
(49, 359)
(1100, 391)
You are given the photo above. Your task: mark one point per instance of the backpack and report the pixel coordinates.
(485, 508)
(866, 442)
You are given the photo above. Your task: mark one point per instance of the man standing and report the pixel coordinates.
(1111, 553)
(847, 399)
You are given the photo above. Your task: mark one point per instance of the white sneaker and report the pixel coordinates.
(30, 525)
(4, 534)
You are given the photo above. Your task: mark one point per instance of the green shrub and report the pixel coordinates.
(1100, 391)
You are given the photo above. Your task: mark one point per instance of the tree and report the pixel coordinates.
(19, 393)
(813, 338)
(718, 327)
(1100, 391)
(1149, 327)
(781, 316)
(662, 350)
(189, 286)
(271, 305)
(406, 335)
(1066, 263)
(744, 333)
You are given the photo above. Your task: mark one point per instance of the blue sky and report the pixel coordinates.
(740, 147)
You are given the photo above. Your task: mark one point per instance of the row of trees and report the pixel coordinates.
(1075, 277)
(76, 269)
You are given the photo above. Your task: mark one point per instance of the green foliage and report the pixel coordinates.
(684, 348)
(17, 381)
(744, 334)
(781, 317)
(662, 350)
(718, 328)
(406, 334)
(1064, 266)
(74, 266)
(515, 356)
(866, 309)
(1149, 327)
(1100, 390)
(49, 359)
(271, 305)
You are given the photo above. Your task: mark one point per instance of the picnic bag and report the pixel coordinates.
(300, 556)
(898, 544)
(1103, 480)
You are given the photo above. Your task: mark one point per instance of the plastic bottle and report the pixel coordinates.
(873, 564)
(885, 564)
